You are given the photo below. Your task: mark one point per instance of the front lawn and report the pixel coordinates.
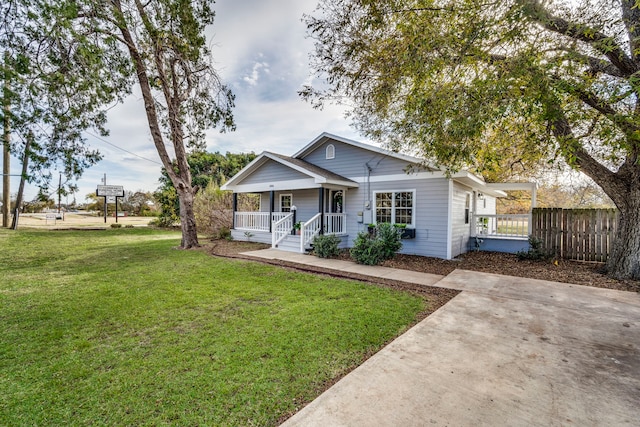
(116, 327)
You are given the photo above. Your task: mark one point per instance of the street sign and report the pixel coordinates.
(110, 191)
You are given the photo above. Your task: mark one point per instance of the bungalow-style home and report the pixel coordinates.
(338, 186)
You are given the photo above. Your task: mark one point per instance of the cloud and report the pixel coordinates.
(252, 78)
(261, 52)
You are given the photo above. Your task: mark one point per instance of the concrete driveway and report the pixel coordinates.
(506, 351)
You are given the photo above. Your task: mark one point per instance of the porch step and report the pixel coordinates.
(290, 243)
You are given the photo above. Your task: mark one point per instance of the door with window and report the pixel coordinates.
(286, 202)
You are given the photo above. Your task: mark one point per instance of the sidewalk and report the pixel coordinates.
(506, 351)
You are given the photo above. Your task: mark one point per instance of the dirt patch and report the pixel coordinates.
(580, 273)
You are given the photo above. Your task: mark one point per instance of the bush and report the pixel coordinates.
(536, 251)
(371, 249)
(366, 249)
(116, 225)
(389, 235)
(326, 246)
(162, 222)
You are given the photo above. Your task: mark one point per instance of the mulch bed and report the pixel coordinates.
(580, 273)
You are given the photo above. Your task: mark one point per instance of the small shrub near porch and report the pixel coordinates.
(373, 248)
(326, 246)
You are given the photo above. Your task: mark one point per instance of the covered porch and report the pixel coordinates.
(504, 232)
(298, 201)
(283, 231)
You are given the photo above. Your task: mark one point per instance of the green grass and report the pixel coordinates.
(116, 327)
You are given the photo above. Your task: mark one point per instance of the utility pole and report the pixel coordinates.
(104, 182)
(59, 191)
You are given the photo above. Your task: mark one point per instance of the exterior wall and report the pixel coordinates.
(496, 244)
(431, 205)
(253, 236)
(306, 202)
(272, 171)
(486, 206)
(460, 231)
(349, 161)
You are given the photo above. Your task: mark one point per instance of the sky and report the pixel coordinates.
(261, 51)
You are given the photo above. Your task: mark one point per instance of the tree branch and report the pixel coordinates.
(575, 154)
(597, 39)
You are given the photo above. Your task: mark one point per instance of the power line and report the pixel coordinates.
(122, 149)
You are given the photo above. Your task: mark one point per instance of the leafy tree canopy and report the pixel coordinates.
(206, 169)
(491, 84)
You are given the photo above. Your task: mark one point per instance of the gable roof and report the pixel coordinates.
(325, 137)
(317, 175)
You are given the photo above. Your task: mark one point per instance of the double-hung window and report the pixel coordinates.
(395, 207)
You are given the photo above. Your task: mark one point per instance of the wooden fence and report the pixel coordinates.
(579, 234)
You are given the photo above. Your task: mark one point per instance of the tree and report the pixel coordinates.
(136, 203)
(206, 169)
(55, 86)
(167, 53)
(469, 83)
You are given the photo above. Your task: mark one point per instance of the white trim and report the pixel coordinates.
(393, 208)
(294, 184)
(262, 158)
(320, 139)
(330, 154)
(450, 220)
(258, 187)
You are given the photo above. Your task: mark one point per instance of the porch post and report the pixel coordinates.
(321, 208)
(234, 209)
(272, 200)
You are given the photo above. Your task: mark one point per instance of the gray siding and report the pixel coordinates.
(460, 231)
(431, 205)
(350, 161)
(272, 171)
(306, 202)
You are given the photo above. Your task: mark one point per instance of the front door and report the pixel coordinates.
(336, 200)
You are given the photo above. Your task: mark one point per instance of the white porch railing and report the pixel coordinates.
(309, 230)
(507, 225)
(335, 223)
(256, 221)
(281, 229)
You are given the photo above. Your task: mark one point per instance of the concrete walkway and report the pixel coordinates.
(506, 351)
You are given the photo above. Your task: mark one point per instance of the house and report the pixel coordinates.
(339, 186)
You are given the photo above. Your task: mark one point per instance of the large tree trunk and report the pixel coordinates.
(187, 217)
(624, 259)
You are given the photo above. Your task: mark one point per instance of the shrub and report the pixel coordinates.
(536, 251)
(116, 225)
(367, 249)
(389, 235)
(326, 246)
(162, 222)
(373, 248)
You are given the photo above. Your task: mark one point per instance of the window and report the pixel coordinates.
(467, 208)
(330, 151)
(395, 207)
(285, 203)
